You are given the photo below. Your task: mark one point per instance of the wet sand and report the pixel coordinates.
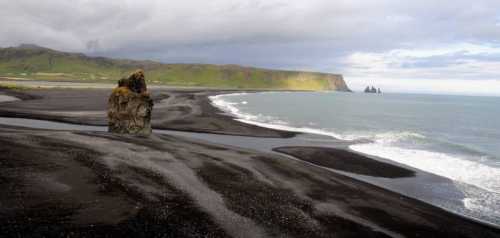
(347, 161)
(95, 184)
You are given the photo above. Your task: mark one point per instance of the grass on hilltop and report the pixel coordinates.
(46, 64)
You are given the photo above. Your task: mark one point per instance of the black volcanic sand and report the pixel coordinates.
(347, 161)
(186, 110)
(88, 184)
(18, 94)
(96, 184)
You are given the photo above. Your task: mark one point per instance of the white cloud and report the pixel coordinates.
(430, 86)
(446, 68)
(359, 38)
(345, 24)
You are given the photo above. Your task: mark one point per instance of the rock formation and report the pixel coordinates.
(130, 106)
(372, 90)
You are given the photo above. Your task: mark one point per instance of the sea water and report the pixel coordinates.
(457, 137)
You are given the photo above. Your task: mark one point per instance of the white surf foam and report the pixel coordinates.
(264, 120)
(5, 98)
(458, 169)
(275, 123)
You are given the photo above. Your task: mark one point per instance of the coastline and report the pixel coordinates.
(315, 202)
(458, 194)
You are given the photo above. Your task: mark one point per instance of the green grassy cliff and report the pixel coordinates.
(29, 61)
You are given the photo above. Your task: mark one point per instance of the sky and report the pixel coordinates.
(429, 46)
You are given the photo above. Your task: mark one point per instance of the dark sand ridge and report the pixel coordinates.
(96, 183)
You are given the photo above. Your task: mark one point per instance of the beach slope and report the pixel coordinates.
(95, 184)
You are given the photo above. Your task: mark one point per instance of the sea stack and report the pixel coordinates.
(372, 90)
(130, 106)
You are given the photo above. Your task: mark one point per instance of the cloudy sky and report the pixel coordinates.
(432, 46)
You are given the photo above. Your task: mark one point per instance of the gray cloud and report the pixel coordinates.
(291, 34)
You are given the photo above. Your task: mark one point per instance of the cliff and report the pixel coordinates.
(31, 61)
(337, 83)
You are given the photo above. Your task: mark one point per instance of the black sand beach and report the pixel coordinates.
(186, 110)
(97, 184)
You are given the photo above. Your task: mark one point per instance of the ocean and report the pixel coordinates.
(457, 137)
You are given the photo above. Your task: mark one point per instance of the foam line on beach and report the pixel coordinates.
(279, 124)
(445, 165)
(6, 98)
(271, 123)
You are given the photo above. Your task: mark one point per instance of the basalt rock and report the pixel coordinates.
(135, 82)
(130, 106)
(372, 90)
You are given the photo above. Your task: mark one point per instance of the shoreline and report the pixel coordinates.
(238, 117)
(476, 203)
(221, 168)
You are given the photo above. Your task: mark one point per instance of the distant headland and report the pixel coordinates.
(36, 62)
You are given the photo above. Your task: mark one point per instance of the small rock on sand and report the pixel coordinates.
(130, 106)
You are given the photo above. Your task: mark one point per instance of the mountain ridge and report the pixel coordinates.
(33, 61)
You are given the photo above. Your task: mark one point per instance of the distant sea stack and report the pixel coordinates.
(372, 89)
(130, 106)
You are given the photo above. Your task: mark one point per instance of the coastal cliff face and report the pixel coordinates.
(337, 83)
(34, 62)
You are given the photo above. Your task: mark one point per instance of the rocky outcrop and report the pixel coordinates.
(372, 90)
(130, 106)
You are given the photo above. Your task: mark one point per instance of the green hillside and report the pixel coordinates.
(29, 61)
